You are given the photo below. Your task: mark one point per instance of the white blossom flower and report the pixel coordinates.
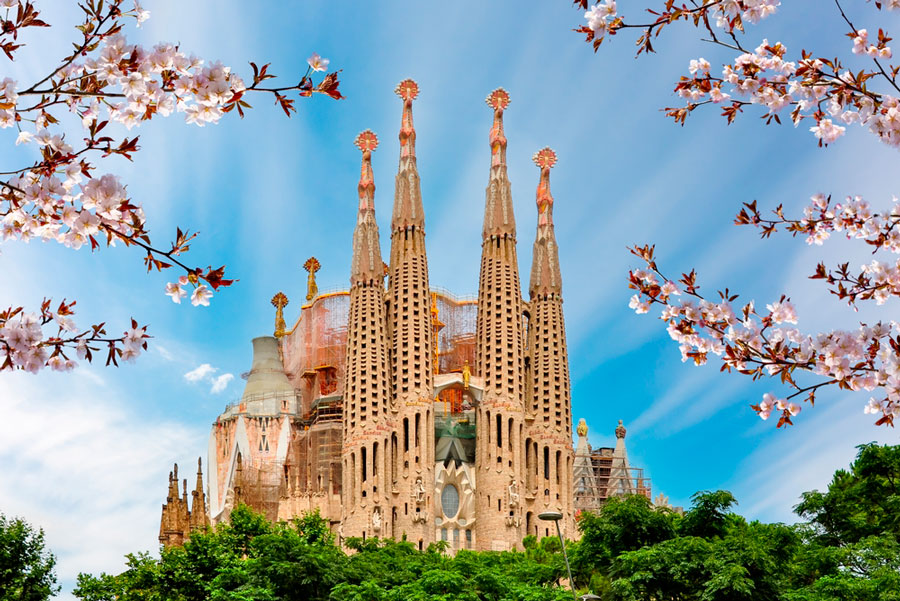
(201, 296)
(317, 63)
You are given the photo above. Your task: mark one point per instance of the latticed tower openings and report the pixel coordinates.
(499, 350)
(549, 457)
(411, 330)
(366, 392)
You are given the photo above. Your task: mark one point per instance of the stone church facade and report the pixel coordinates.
(399, 410)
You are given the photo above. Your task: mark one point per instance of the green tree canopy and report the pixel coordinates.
(27, 568)
(861, 502)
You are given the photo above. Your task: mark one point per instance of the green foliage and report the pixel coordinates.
(628, 551)
(862, 502)
(26, 567)
(709, 515)
(622, 525)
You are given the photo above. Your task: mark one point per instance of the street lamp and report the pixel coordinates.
(555, 516)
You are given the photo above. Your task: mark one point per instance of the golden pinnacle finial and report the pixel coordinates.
(279, 301)
(366, 141)
(312, 265)
(408, 90)
(498, 100)
(544, 158)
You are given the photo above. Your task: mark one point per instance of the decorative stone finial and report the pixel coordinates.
(279, 301)
(367, 142)
(407, 90)
(620, 430)
(545, 159)
(582, 428)
(312, 265)
(498, 100)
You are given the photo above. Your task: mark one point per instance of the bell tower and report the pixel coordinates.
(499, 355)
(411, 343)
(365, 489)
(550, 432)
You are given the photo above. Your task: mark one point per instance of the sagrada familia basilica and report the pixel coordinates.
(398, 410)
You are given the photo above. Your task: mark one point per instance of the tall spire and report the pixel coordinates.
(549, 389)
(366, 397)
(199, 518)
(411, 334)
(546, 280)
(408, 211)
(499, 351)
(498, 211)
(366, 266)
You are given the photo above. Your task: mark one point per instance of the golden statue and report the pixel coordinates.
(312, 265)
(582, 428)
(279, 301)
(467, 375)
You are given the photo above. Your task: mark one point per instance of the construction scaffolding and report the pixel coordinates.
(315, 349)
(606, 475)
(456, 334)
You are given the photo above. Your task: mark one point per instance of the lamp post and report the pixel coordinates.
(555, 516)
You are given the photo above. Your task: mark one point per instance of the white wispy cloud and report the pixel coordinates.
(220, 383)
(164, 352)
(204, 373)
(200, 372)
(81, 462)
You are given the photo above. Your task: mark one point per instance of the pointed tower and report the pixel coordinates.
(199, 517)
(621, 481)
(367, 392)
(174, 524)
(550, 432)
(409, 320)
(586, 490)
(499, 356)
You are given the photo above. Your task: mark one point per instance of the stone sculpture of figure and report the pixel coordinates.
(513, 492)
(466, 375)
(376, 519)
(420, 490)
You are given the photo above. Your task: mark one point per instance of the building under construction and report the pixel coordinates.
(605, 472)
(400, 410)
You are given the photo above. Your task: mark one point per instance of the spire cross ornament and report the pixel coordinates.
(367, 142)
(498, 100)
(544, 158)
(407, 90)
(279, 301)
(312, 265)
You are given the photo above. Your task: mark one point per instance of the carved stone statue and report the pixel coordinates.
(420, 490)
(376, 519)
(513, 492)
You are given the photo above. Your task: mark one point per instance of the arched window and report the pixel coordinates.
(450, 501)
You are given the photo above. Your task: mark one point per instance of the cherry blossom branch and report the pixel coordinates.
(24, 345)
(759, 345)
(60, 196)
(853, 28)
(820, 89)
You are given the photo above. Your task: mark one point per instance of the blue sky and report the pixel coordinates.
(86, 455)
